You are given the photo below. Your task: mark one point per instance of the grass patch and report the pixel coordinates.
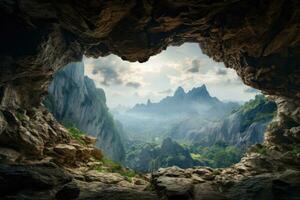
(296, 149)
(250, 105)
(128, 174)
(216, 172)
(107, 165)
(112, 167)
(260, 149)
(216, 156)
(20, 116)
(76, 134)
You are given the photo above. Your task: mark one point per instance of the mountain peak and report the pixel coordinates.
(203, 87)
(148, 102)
(199, 92)
(179, 92)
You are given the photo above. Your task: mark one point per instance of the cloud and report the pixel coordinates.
(199, 66)
(133, 84)
(186, 67)
(109, 75)
(111, 70)
(251, 90)
(233, 80)
(195, 67)
(221, 72)
(168, 91)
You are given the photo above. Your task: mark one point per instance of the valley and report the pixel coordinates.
(150, 100)
(185, 129)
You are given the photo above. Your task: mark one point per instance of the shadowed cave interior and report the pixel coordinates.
(40, 160)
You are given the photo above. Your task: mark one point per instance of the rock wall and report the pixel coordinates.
(242, 128)
(284, 131)
(74, 100)
(259, 39)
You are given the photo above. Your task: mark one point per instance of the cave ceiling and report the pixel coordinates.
(259, 39)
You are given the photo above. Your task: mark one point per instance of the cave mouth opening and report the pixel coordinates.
(180, 108)
(259, 39)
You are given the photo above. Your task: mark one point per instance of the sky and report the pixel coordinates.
(127, 83)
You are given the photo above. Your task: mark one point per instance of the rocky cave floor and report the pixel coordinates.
(39, 160)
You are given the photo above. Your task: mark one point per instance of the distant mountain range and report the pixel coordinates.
(211, 143)
(195, 102)
(152, 121)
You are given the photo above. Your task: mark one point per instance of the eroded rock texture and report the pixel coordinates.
(74, 100)
(259, 39)
(237, 182)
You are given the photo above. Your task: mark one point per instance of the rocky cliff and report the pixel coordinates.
(75, 101)
(243, 127)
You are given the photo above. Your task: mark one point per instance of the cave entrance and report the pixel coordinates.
(179, 108)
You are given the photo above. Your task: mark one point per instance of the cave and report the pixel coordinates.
(258, 39)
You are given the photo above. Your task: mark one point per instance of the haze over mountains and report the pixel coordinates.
(195, 102)
(241, 127)
(152, 120)
(211, 143)
(185, 129)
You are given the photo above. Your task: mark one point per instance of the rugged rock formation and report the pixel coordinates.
(285, 130)
(30, 133)
(48, 181)
(242, 127)
(75, 101)
(246, 180)
(40, 160)
(259, 39)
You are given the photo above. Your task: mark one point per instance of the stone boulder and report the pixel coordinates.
(38, 181)
(8, 155)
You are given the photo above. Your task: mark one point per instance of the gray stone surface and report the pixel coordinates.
(75, 101)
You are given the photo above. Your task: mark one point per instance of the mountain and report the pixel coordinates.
(75, 101)
(147, 157)
(243, 127)
(207, 143)
(171, 153)
(152, 121)
(195, 102)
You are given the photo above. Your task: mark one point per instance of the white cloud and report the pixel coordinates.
(184, 66)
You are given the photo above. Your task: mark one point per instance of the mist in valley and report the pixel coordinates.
(178, 109)
(192, 128)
